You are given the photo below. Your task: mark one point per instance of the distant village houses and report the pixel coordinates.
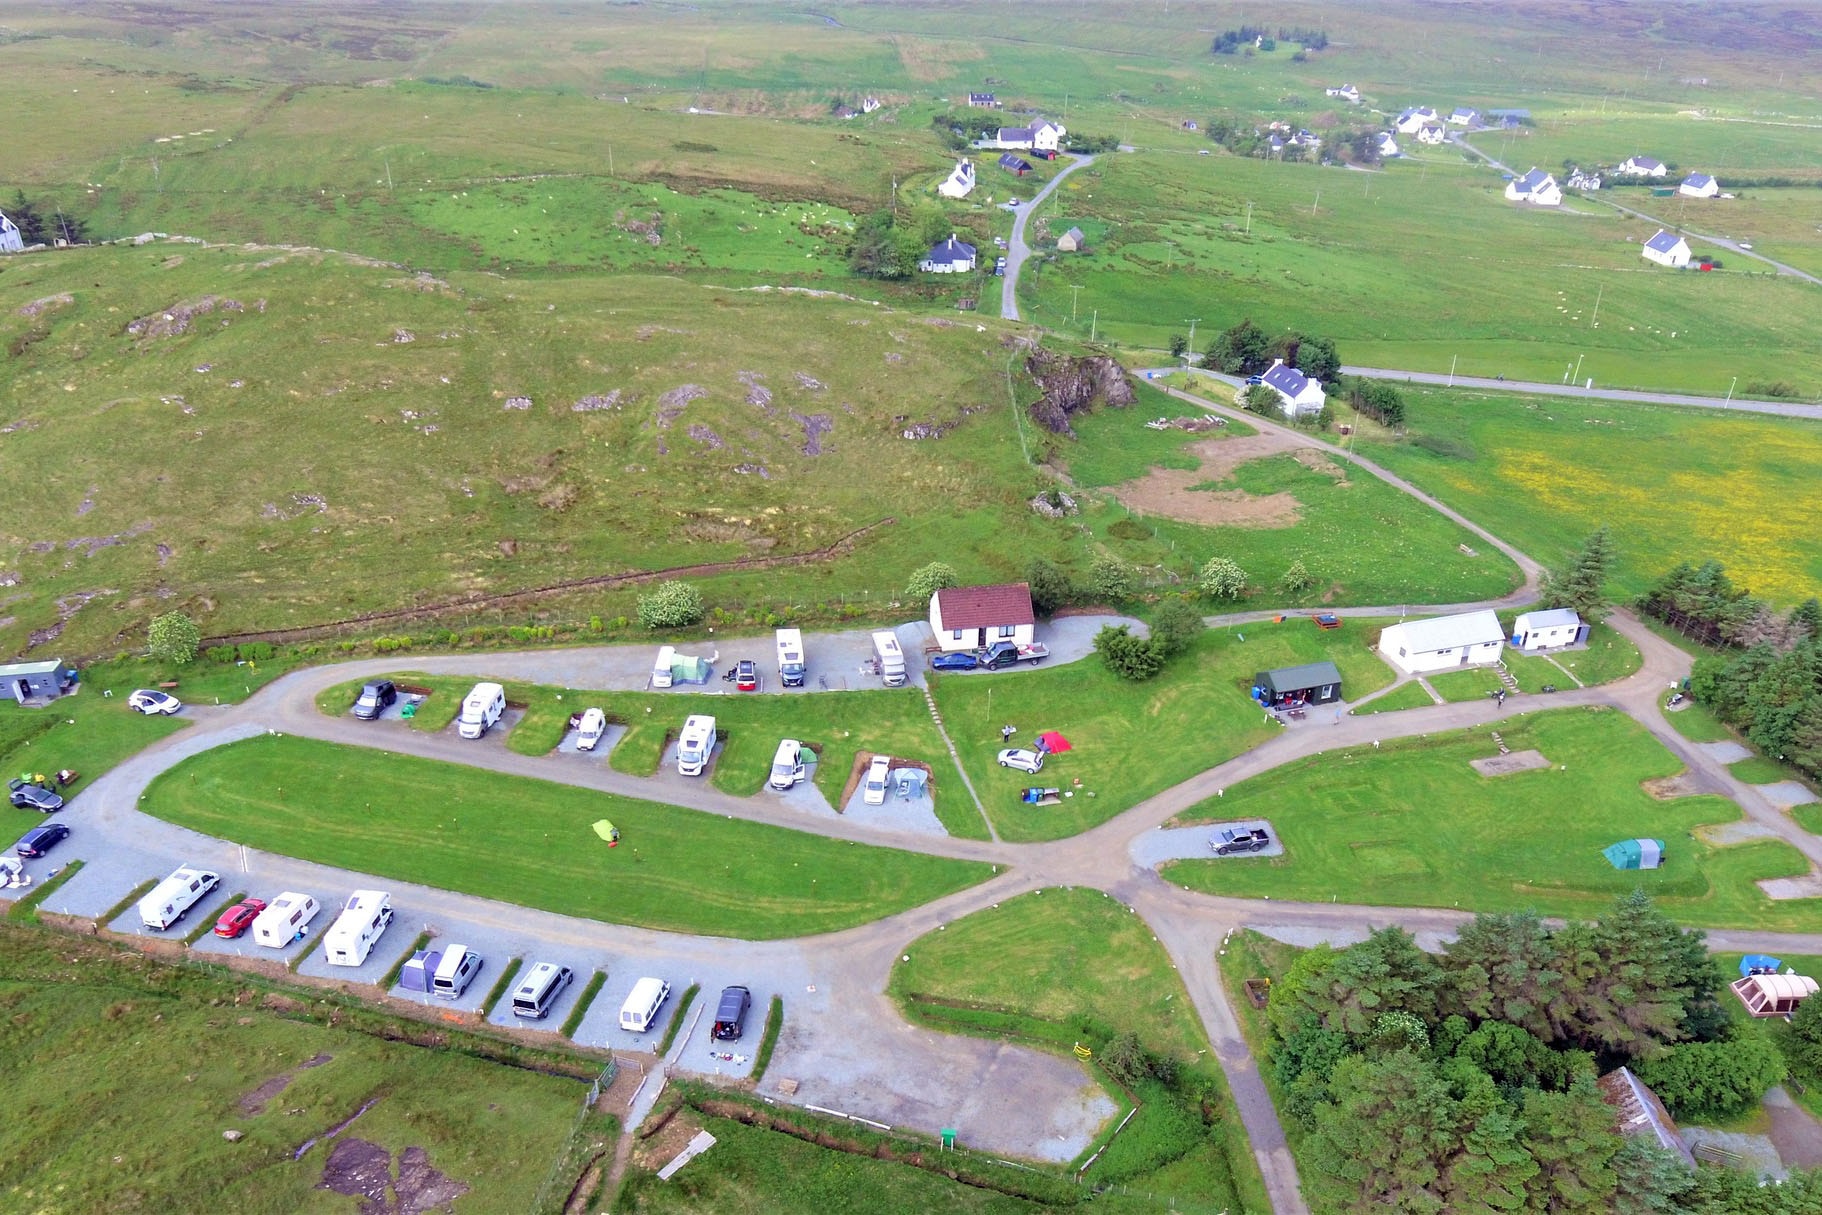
(1041, 136)
(1414, 120)
(1641, 166)
(1346, 92)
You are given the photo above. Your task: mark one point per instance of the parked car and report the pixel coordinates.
(374, 699)
(1022, 759)
(238, 918)
(1009, 653)
(954, 662)
(1229, 840)
(999, 267)
(1253, 381)
(875, 787)
(746, 676)
(150, 701)
(731, 1014)
(40, 840)
(28, 796)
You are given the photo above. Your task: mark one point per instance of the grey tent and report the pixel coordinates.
(910, 782)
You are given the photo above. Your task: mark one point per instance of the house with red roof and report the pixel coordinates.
(974, 617)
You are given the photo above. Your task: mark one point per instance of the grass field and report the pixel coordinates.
(1696, 723)
(442, 825)
(1449, 837)
(124, 1080)
(1808, 817)
(1408, 695)
(1191, 717)
(1608, 657)
(1762, 770)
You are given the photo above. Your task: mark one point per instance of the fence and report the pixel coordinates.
(565, 1163)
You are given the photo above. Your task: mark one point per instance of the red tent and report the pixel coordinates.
(1052, 743)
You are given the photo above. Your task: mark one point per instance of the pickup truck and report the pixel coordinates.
(1231, 840)
(1007, 653)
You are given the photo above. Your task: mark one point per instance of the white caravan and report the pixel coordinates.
(350, 939)
(285, 919)
(172, 898)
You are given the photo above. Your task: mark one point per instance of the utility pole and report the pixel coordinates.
(1577, 374)
(1729, 399)
(1095, 329)
(610, 160)
(1595, 320)
(388, 175)
(1317, 203)
(1192, 331)
(1452, 359)
(1074, 295)
(1249, 218)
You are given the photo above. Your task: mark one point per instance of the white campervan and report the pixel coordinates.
(539, 989)
(890, 657)
(661, 669)
(285, 919)
(481, 710)
(641, 1007)
(172, 898)
(350, 939)
(590, 729)
(791, 668)
(695, 744)
(787, 765)
(456, 970)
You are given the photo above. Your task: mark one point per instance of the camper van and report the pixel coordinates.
(641, 1008)
(787, 765)
(285, 919)
(539, 989)
(172, 898)
(890, 657)
(456, 970)
(661, 669)
(482, 709)
(590, 729)
(695, 744)
(791, 669)
(350, 939)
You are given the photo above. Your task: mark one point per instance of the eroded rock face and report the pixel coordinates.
(1074, 385)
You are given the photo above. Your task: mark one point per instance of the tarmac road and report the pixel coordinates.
(1016, 250)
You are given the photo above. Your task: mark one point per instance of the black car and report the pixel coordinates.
(1230, 840)
(26, 796)
(731, 1015)
(40, 840)
(374, 698)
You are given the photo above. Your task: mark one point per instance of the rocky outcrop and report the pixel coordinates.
(1074, 385)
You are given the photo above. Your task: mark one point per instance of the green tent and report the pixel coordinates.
(687, 668)
(1635, 854)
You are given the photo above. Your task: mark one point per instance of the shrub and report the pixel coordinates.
(1222, 578)
(1129, 657)
(1175, 626)
(1296, 579)
(173, 638)
(673, 605)
(254, 651)
(1713, 1079)
(1050, 586)
(1110, 579)
(219, 653)
(929, 580)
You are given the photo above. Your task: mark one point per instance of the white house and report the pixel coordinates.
(949, 257)
(1536, 187)
(1042, 135)
(10, 240)
(1298, 395)
(1346, 92)
(974, 617)
(1667, 249)
(870, 103)
(1431, 134)
(1412, 121)
(1388, 147)
(983, 101)
(1421, 646)
(1699, 185)
(1460, 116)
(1548, 629)
(959, 182)
(1642, 166)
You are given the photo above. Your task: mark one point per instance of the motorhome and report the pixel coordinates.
(661, 669)
(787, 765)
(482, 710)
(350, 939)
(891, 658)
(455, 971)
(791, 667)
(172, 898)
(641, 1007)
(285, 919)
(539, 989)
(695, 744)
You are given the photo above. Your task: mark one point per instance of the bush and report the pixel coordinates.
(1050, 586)
(173, 638)
(929, 580)
(1222, 578)
(254, 651)
(1175, 626)
(674, 605)
(1296, 579)
(1110, 579)
(1129, 657)
(219, 653)
(1714, 1079)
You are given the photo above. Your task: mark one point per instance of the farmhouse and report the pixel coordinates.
(1443, 642)
(1536, 187)
(1042, 136)
(1071, 241)
(1315, 683)
(1699, 185)
(1388, 147)
(1637, 1111)
(37, 681)
(960, 181)
(10, 240)
(949, 257)
(1298, 395)
(1346, 92)
(1641, 166)
(1412, 121)
(1667, 249)
(1542, 630)
(983, 101)
(974, 617)
(1461, 116)
(1014, 165)
(1431, 134)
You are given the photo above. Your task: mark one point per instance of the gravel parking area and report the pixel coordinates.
(897, 813)
(605, 747)
(207, 908)
(1192, 843)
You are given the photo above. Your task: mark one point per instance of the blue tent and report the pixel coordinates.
(1635, 854)
(1758, 964)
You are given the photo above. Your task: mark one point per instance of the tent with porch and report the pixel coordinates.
(1635, 854)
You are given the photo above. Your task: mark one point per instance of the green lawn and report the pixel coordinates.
(1697, 723)
(1808, 816)
(1476, 683)
(530, 842)
(1609, 657)
(1409, 695)
(1762, 770)
(87, 732)
(1196, 714)
(1412, 823)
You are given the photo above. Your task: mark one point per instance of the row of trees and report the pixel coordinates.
(1358, 145)
(1374, 398)
(42, 223)
(1267, 38)
(1246, 349)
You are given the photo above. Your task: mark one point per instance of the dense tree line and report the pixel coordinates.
(1246, 349)
(1466, 1081)
(43, 224)
(1267, 38)
(1374, 398)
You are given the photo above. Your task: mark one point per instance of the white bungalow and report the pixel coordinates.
(949, 257)
(1298, 395)
(974, 617)
(1388, 147)
(1419, 647)
(1549, 629)
(1412, 121)
(1667, 249)
(1699, 185)
(1536, 187)
(1346, 92)
(960, 181)
(1642, 166)
(10, 240)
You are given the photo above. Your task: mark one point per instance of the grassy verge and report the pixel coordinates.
(207, 925)
(1475, 684)
(391, 978)
(414, 819)
(1697, 723)
(1608, 656)
(501, 986)
(1450, 840)
(131, 897)
(1761, 770)
(1405, 696)
(25, 907)
(573, 1022)
(684, 1002)
(1808, 817)
(768, 1040)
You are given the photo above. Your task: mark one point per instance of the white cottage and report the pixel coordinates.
(1414, 120)
(1550, 629)
(10, 240)
(960, 181)
(974, 617)
(1298, 395)
(950, 257)
(1666, 249)
(1388, 147)
(1699, 185)
(1431, 135)
(1419, 647)
(1642, 166)
(1536, 187)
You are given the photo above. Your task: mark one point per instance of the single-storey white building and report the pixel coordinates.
(1642, 166)
(1699, 185)
(974, 617)
(1536, 187)
(1388, 147)
(10, 240)
(1461, 116)
(1298, 395)
(1667, 249)
(1412, 121)
(1440, 644)
(1042, 135)
(1346, 92)
(959, 182)
(950, 257)
(1548, 629)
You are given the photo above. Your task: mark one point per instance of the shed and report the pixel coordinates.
(1635, 854)
(1773, 995)
(1638, 1111)
(1542, 630)
(1443, 642)
(1015, 165)
(1072, 241)
(40, 682)
(1314, 683)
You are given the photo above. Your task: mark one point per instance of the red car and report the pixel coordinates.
(746, 676)
(238, 918)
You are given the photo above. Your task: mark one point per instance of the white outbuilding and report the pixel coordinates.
(1419, 647)
(1666, 249)
(960, 180)
(1548, 630)
(1699, 185)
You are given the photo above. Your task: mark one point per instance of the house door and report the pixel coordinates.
(22, 690)
(1467, 652)
(980, 639)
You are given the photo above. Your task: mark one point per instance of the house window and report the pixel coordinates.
(955, 635)
(1009, 630)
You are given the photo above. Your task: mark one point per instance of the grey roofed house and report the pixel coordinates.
(10, 239)
(1016, 135)
(1664, 242)
(1532, 181)
(36, 681)
(1014, 164)
(948, 257)
(1698, 181)
(1312, 683)
(1638, 1111)
(1071, 241)
(1286, 379)
(984, 101)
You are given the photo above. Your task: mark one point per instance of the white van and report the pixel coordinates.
(482, 709)
(787, 765)
(350, 939)
(791, 668)
(661, 669)
(890, 657)
(539, 989)
(695, 744)
(172, 898)
(285, 919)
(455, 972)
(641, 1008)
(590, 729)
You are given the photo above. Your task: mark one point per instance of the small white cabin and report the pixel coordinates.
(1548, 630)
(1444, 642)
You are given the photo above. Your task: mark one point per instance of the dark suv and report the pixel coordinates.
(374, 698)
(731, 1016)
(40, 840)
(27, 796)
